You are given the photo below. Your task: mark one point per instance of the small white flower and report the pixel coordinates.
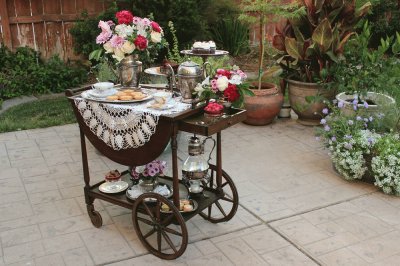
(128, 47)
(235, 79)
(155, 36)
(222, 83)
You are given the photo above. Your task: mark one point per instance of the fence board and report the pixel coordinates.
(5, 25)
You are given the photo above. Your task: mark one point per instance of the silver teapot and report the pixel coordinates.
(189, 74)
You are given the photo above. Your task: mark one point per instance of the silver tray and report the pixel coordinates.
(217, 53)
(86, 95)
(194, 203)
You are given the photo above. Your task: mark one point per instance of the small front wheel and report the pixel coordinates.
(164, 234)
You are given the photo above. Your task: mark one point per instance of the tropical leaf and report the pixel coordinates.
(323, 35)
(292, 48)
(339, 48)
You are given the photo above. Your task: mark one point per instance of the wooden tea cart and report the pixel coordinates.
(164, 234)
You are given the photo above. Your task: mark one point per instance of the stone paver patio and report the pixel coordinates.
(294, 209)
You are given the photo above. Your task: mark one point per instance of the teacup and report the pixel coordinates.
(103, 86)
(162, 97)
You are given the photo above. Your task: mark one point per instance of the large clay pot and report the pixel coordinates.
(309, 113)
(264, 106)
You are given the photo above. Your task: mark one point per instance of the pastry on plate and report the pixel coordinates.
(126, 98)
(112, 98)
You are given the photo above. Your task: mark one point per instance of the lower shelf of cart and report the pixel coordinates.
(204, 200)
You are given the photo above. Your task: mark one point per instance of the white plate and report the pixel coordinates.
(86, 95)
(166, 106)
(136, 190)
(102, 94)
(113, 187)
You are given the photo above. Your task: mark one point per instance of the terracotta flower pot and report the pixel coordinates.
(264, 106)
(309, 113)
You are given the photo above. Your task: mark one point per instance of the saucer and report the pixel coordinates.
(102, 94)
(113, 187)
(155, 106)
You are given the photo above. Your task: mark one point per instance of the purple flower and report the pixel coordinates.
(355, 101)
(333, 139)
(380, 115)
(350, 122)
(340, 104)
(348, 136)
(366, 119)
(325, 111)
(323, 121)
(370, 140)
(371, 118)
(365, 125)
(355, 107)
(366, 105)
(359, 118)
(327, 128)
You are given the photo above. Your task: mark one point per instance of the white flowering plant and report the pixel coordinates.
(385, 164)
(131, 35)
(350, 139)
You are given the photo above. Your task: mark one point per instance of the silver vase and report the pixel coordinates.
(130, 70)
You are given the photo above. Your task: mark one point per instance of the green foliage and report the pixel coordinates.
(363, 69)
(24, 73)
(174, 53)
(384, 19)
(85, 31)
(231, 35)
(105, 71)
(312, 44)
(37, 114)
(262, 12)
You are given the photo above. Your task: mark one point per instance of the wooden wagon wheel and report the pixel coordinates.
(164, 234)
(225, 208)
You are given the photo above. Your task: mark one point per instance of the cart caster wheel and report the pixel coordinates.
(164, 234)
(225, 208)
(94, 216)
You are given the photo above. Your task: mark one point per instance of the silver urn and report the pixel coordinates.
(189, 74)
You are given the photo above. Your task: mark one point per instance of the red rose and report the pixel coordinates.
(124, 17)
(140, 42)
(155, 26)
(231, 93)
(224, 72)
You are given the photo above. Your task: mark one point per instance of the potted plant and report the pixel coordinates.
(310, 46)
(364, 73)
(263, 107)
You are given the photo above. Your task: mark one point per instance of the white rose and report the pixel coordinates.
(118, 54)
(128, 47)
(222, 83)
(123, 30)
(236, 79)
(109, 49)
(155, 37)
(141, 30)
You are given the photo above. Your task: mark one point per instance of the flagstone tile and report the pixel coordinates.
(23, 252)
(24, 153)
(288, 256)
(342, 257)
(106, 244)
(50, 260)
(15, 210)
(62, 243)
(332, 243)
(9, 173)
(239, 252)
(41, 186)
(65, 226)
(20, 235)
(265, 240)
(36, 170)
(44, 197)
(77, 257)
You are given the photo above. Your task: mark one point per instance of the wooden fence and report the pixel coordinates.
(43, 24)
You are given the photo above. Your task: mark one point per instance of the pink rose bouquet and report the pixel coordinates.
(227, 84)
(132, 35)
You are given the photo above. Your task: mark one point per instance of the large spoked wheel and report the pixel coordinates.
(164, 234)
(225, 208)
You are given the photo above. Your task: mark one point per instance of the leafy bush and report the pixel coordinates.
(24, 73)
(231, 35)
(384, 19)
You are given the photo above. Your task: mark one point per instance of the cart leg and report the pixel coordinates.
(175, 174)
(219, 161)
(94, 215)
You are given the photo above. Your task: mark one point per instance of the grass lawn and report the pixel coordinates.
(37, 114)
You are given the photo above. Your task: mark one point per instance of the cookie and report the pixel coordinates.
(125, 98)
(112, 98)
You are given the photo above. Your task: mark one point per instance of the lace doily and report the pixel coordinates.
(123, 126)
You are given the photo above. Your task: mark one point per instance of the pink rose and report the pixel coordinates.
(146, 22)
(117, 41)
(124, 17)
(140, 42)
(155, 26)
(136, 20)
(105, 34)
(214, 85)
(102, 38)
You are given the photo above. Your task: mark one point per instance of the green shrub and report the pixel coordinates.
(231, 35)
(24, 73)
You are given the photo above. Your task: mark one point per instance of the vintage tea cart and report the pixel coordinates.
(164, 234)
